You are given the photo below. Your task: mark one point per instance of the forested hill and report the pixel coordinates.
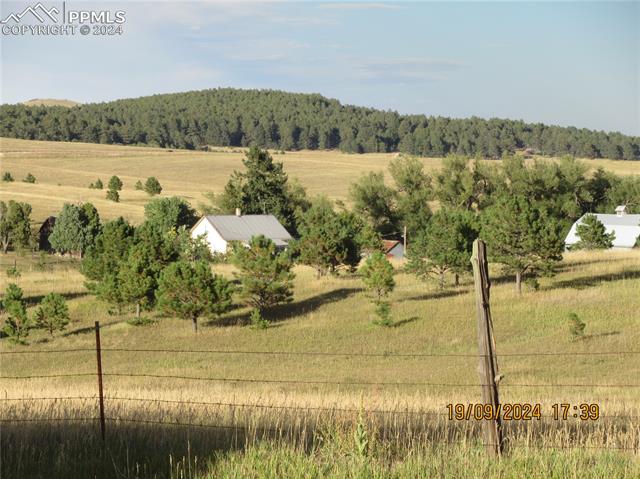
(289, 121)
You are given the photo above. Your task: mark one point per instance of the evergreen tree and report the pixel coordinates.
(76, 229)
(6, 176)
(377, 202)
(265, 274)
(115, 183)
(139, 186)
(190, 291)
(444, 246)
(414, 192)
(112, 195)
(137, 280)
(52, 314)
(377, 276)
(98, 184)
(522, 235)
(262, 188)
(593, 234)
(327, 239)
(15, 225)
(152, 186)
(170, 213)
(462, 184)
(29, 178)
(17, 323)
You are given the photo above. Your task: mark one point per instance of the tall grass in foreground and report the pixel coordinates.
(144, 440)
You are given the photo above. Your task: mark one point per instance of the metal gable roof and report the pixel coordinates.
(243, 228)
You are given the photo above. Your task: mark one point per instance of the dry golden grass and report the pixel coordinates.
(65, 170)
(334, 315)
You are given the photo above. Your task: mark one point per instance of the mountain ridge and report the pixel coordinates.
(292, 121)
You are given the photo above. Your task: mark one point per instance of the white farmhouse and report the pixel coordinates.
(219, 230)
(625, 226)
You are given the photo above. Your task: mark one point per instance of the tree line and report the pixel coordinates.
(293, 121)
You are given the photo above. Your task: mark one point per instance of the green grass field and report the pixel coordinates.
(280, 428)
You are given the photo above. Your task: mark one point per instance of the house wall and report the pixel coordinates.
(216, 243)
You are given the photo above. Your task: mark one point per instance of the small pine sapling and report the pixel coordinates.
(576, 327)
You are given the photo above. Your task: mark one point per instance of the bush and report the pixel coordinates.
(113, 195)
(29, 178)
(6, 176)
(97, 185)
(152, 186)
(258, 321)
(52, 314)
(139, 186)
(17, 324)
(115, 183)
(576, 326)
(13, 272)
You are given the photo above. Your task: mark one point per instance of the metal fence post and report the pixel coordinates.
(100, 392)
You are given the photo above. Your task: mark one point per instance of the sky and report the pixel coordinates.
(562, 63)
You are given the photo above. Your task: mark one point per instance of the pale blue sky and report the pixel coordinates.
(574, 63)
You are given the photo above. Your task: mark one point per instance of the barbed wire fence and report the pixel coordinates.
(105, 413)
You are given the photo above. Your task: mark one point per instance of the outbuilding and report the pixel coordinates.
(220, 230)
(625, 226)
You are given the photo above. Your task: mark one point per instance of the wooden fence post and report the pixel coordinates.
(488, 367)
(100, 393)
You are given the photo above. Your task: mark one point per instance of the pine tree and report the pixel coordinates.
(6, 176)
(522, 235)
(190, 290)
(15, 225)
(265, 274)
(593, 234)
(139, 186)
(29, 178)
(137, 278)
(444, 246)
(52, 314)
(152, 186)
(377, 276)
(112, 195)
(17, 323)
(375, 201)
(115, 183)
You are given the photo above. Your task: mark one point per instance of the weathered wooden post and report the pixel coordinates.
(488, 367)
(100, 393)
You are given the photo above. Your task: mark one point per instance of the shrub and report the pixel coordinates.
(29, 178)
(17, 324)
(6, 176)
(152, 186)
(13, 272)
(593, 234)
(139, 186)
(115, 183)
(576, 326)
(258, 321)
(52, 314)
(113, 195)
(98, 184)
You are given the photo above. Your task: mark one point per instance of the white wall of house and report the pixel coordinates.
(216, 243)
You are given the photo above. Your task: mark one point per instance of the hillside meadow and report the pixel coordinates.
(65, 170)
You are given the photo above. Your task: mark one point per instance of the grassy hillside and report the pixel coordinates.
(64, 171)
(332, 315)
(257, 412)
